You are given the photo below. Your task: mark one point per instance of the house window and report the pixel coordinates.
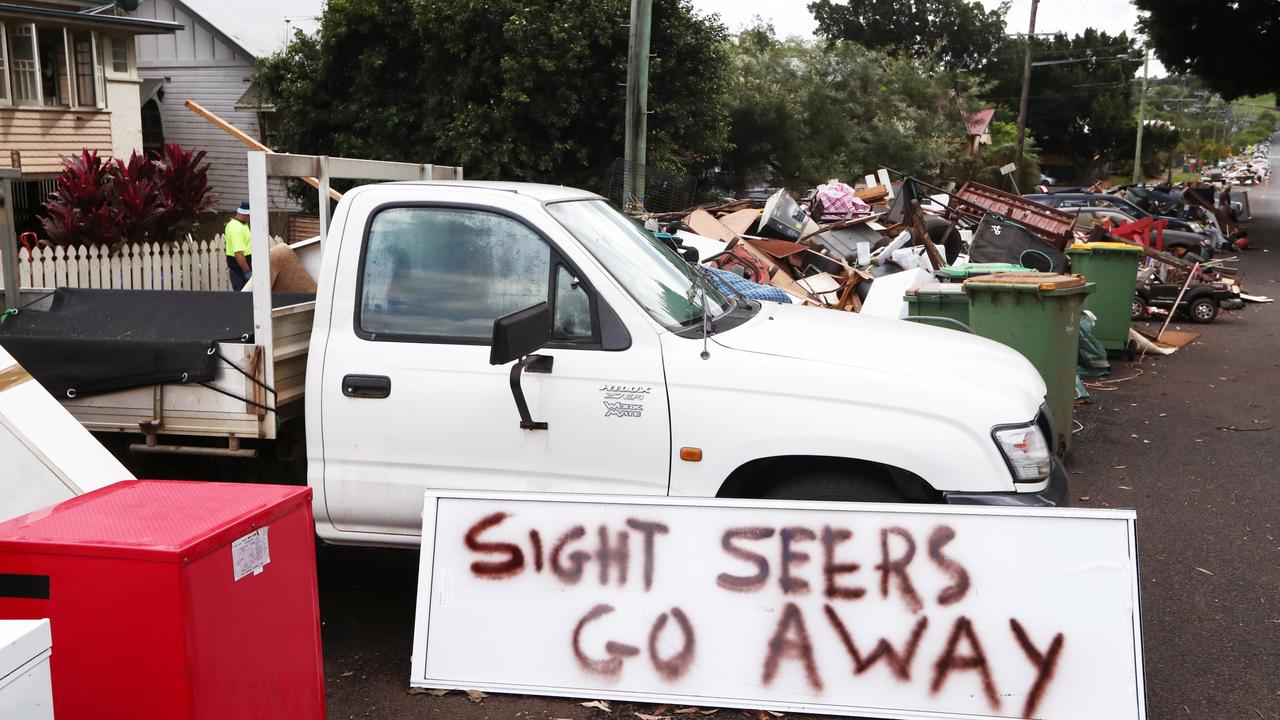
(119, 55)
(55, 81)
(24, 68)
(86, 77)
(53, 67)
(4, 68)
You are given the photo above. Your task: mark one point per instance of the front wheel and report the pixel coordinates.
(835, 486)
(1203, 310)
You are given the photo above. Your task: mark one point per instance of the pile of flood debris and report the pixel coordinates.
(865, 247)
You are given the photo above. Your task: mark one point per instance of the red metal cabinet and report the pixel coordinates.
(155, 605)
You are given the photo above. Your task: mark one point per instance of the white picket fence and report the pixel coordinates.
(185, 265)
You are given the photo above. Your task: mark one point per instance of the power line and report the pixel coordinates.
(1083, 59)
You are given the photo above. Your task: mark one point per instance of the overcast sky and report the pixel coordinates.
(791, 17)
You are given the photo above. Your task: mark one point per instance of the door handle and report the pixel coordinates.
(366, 386)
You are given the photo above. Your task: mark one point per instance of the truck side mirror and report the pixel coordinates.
(516, 337)
(521, 333)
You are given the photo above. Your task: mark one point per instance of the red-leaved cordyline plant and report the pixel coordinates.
(134, 189)
(115, 203)
(185, 186)
(79, 207)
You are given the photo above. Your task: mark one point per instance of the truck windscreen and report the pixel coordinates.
(666, 286)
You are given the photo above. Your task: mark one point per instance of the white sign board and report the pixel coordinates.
(887, 611)
(1008, 169)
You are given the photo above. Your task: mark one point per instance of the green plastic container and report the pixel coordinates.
(1037, 314)
(960, 273)
(1113, 267)
(939, 300)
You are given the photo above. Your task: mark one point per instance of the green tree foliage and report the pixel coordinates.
(1082, 107)
(959, 34)
(1258, 129)
(1221, 42)
(510, 89)
(802, 113)
(1159, 146)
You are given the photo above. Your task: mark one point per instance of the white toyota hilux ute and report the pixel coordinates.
(520, 337)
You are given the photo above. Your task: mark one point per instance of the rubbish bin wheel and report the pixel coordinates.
(836, 485)
(1203, 310)
(1131, 351)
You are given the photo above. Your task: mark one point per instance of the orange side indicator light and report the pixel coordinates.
(691, 454)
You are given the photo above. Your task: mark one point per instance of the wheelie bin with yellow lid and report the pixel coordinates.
(1113, 267)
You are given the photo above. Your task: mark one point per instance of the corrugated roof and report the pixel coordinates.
(259, 28)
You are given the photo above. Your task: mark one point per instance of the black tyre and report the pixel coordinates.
(944, 235)
(835, 486)
(1138, 309)
(1202, 310)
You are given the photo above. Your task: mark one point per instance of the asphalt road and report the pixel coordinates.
(1209, 532)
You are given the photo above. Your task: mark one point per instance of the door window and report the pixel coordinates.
(448, 273)
(572, 319)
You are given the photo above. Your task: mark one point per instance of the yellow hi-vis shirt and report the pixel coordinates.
(238, 238)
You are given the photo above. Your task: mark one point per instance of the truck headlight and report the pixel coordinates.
(1025, 449)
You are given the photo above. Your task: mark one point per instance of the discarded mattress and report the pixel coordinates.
(48, 456)
(95, 341)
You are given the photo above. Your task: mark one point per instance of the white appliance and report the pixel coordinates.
(25, 688)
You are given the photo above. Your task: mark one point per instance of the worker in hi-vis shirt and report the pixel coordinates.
(239, 247)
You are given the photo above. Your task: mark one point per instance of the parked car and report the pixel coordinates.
(1200, 303)
(1066, 201)
(1194, 243)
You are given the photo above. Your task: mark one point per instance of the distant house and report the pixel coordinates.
(978, 126)
(67, 82)
(211, 60)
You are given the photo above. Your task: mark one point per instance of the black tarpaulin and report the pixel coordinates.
(999, 241)
(94, 341)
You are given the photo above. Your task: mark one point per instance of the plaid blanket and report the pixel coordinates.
(734, 284)
(835, 200)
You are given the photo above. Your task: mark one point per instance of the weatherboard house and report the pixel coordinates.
(68, 81)
(211, 59)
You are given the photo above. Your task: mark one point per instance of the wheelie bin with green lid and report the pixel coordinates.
(1113, 267)
(939, 304)
(1037, 314)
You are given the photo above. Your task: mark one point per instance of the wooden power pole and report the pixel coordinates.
(1026, 85)
(1142, 111)
(634, 159)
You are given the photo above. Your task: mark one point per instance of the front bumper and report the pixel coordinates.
(1054, 494)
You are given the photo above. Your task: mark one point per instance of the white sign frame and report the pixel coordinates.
(433, 498)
